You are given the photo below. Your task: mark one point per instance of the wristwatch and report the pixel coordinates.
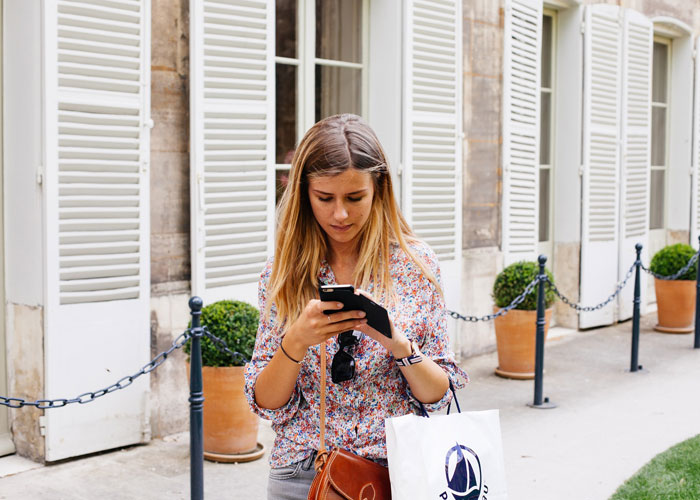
(411, 359)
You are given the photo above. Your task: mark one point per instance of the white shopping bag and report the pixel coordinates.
(450, 457)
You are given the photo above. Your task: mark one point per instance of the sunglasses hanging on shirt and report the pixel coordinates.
(343, 365)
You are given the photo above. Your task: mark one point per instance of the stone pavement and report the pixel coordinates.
(608, 423)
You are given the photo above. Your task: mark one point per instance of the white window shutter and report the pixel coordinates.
(97, 102)
(232, 111)
(601, 160)
(521, 128)
(695, 188)
(638, 42)
(432, 149)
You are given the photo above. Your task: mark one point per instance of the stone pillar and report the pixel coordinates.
(25, 362)
(170, 209)
(481, 205)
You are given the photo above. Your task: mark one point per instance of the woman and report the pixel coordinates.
(339, 224)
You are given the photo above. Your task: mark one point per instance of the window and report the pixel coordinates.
(546, 129)
(659, 132)
(321, 68)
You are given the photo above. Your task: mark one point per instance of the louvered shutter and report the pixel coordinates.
(432, 149)
(232, 145)
(695, 189)
(638, 41)
(521, 129)
(601, 160)
(97, 100)
(232, 155)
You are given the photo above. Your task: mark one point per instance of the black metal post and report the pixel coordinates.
(697, 308)
(634, 358)
(196, 404)
(539, 401)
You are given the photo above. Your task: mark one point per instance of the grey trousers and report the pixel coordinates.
(292, 482)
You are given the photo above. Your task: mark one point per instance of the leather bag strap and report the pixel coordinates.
(322, 452)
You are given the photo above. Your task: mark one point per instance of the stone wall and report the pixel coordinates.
(686, 11)
(170, 210)
(483, 71)
(25, 363)
(170, 161)
(169, 408)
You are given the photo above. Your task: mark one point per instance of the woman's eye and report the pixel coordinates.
(355, 199)
(324, 199)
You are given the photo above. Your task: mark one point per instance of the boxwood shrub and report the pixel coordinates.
(234, 322)
(512, 281)
(672, 258)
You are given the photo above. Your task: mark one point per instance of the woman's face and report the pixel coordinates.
(341, 204)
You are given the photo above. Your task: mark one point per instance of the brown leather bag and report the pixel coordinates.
(342, 475)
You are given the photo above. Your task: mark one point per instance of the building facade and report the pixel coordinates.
(145, 144)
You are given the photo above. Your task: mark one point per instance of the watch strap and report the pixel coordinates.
(412, 359)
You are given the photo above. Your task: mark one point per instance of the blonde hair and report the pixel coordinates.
(329, 148)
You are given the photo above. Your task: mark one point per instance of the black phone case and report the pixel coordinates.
(377, 317)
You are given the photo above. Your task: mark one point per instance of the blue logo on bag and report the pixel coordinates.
(463, 473)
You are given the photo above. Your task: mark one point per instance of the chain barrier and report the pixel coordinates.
(556, 291)
(680, 273)
(181, 340)
(222, 346)
(488, 317)
(88, 397)
(607, 301)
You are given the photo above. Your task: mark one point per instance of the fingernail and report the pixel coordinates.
(338, 304)
(361, 314)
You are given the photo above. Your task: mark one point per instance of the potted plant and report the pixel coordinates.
(515, 331)
(230, 427)
(675, 299)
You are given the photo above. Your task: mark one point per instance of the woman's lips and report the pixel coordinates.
(341, 228)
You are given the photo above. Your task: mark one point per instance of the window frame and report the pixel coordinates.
(667, 106)
(546, 246)
(306, 62)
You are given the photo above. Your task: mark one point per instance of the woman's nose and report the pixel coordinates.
(340, 213)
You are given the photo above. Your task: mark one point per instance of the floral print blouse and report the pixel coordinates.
(356, 409)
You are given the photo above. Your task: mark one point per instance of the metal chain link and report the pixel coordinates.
(87, 397)
(516, 301)
(678, 274)
(579, 307)
(556, 291)
(222, 346)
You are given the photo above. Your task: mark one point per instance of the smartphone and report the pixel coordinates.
(377, 317)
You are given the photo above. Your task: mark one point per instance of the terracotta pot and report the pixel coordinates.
(230, 427)
(515, 338)
(675, 301)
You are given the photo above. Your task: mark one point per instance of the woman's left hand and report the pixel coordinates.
(398, 345)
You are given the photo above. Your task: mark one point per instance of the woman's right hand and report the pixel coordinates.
(275, 384)
(313, 327)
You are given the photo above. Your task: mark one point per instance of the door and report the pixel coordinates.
(521, 132)
(6, 445)
(432, 130)
(232, 110)
(601, 153)
(96, 192)
(636, 151)
(695, 188)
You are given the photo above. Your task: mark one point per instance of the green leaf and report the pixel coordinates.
(513, 280)
(234, 322)
(672, 258)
